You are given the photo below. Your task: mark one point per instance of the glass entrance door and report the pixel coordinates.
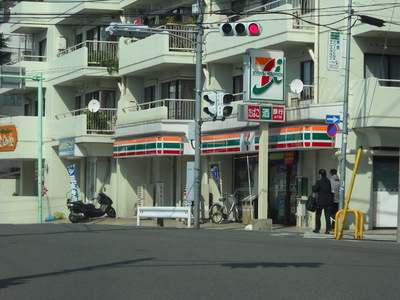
(91, 171)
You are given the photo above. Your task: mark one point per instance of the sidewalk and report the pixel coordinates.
(375, 235)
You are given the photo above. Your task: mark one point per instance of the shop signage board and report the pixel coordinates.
(8, 138)
(288, 138)
(334, 51)
(261, 113)
(264, 76)
(332, 119)
(66, 147)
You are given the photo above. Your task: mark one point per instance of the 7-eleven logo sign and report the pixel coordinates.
(264, 76)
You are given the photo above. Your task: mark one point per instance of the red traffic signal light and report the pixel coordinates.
(240, 29)
(254, 29)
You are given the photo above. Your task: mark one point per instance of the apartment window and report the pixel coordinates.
(149, 93)
(238, 87)
(106, 98)
(307, 6)
(27, 109)
(42, 50)
(274, 3)
(78, 102)
(307, 76)
(79, 40)
(93, 34)
(91, 96)
(178, 89)
(384, 67)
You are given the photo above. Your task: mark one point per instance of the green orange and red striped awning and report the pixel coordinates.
(163, 145)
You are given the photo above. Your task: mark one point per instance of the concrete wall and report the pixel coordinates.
(18, 209)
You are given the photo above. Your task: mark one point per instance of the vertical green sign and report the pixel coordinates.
(265, 113)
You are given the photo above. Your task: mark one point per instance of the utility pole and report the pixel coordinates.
(198, 120)
(345, 109)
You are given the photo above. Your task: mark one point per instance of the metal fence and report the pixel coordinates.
(183, 37)
(102, 121)
(178, 109)
(98, 51)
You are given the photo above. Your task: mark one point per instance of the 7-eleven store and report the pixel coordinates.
(229, 164)
(290, 173)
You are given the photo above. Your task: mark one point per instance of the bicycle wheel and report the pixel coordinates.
(216, 213)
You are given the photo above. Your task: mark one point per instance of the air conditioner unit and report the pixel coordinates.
(62, 43)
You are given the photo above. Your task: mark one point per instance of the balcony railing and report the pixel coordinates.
(302, 11)
(305, 97)
(389, 82)
(102, 121)
(98, 51)
(181, 41)
(178, 109)
(181, 37)
(25, 57)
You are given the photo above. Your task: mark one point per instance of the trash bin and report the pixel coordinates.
(248, 209)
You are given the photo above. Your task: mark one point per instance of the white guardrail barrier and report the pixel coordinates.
(164, 212)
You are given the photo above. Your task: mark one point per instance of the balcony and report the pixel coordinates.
(162, 51)
(100, 53)
(304, 98)
(170, 109)
(166, 115)
(26, 57)
(87, 57)
(81, 122)
(375, 104)
(32, 63)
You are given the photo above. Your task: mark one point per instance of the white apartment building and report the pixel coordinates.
(137, 146)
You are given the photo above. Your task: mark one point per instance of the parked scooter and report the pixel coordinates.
(81, 211)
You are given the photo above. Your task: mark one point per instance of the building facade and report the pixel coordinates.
(136, 145)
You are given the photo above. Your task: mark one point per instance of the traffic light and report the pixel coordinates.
(240, 29)
(128, 30)
(212, 108)
(220, 105)
(226, 105)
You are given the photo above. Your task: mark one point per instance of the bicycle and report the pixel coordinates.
(219, 212)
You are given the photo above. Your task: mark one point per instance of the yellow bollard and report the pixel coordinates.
(358, 221)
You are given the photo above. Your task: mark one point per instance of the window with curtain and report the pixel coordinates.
(178, 89)
(384, 67)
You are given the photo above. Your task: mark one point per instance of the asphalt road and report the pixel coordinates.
(91, 261)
